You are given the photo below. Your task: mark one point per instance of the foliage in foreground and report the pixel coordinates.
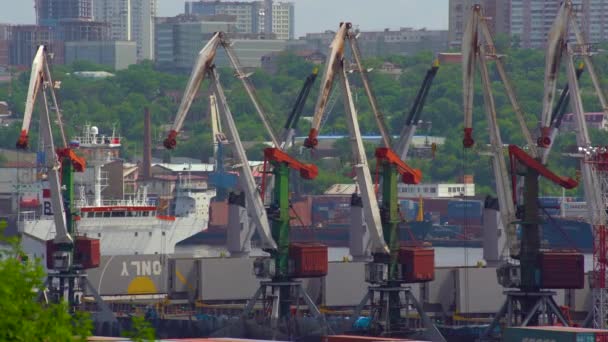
(22, 317)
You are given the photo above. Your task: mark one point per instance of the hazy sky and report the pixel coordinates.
(311, 15)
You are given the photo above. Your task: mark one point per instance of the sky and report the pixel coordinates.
(311, 15)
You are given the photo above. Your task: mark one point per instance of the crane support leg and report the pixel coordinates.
(382, 299)
(526, 309)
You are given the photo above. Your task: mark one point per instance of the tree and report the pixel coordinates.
(22, 317)
(141, 330)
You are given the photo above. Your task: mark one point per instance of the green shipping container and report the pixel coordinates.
(548, 334)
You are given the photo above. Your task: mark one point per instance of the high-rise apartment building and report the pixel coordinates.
(117, 13)
(130, 20)
(283, 20)
(179, 39)
(497, 13)
(25, 40)
(50, 12)
(247, 13)
(531, 20)
(594, 20)
(251, 17)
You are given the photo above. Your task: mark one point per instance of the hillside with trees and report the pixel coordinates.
(119, 102)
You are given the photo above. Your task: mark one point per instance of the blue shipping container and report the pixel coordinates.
(557, 334)
(462, 209)
(409, 209)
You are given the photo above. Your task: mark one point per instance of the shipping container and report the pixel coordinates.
(87, 253)
(409, 209)
(50, 249)
(549, 202)
(418, 264)
(464, 209)
(557, 334)
(328, 211)
(561, 270)
(465, 221)
(301, 212)
(355, 338)
(309, 259)
(218, 214)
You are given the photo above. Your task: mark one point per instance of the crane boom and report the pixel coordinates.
(591, 183)
(555, 43)
(371, 211)
(39, 85)
(255, 205)
(292, 121)
(558, 114)
(203, 63)
(378, 116)
(334, 60)
(469, 56)
(507, 209)
(205, 67)
(411, 123)
(249, 89)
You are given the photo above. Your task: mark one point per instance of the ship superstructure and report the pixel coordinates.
(132, 225)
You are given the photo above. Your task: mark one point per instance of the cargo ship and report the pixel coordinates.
(132, 226)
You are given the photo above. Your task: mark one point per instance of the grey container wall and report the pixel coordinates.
(130, 275)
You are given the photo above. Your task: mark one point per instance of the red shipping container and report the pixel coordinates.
(562, 270)
(50, 249)
(309, 259)
(418, 264)
(87, 252)
(218, 214)
(355, 338)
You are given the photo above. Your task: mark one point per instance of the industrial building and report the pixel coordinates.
(117, 54)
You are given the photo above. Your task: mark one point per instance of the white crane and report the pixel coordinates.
(557, 49)
(204, 67)
(335, 68)
(474, 54)
(41, 83)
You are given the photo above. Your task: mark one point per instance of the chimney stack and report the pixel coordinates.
(147, 162)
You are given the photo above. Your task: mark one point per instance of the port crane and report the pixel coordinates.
(522, 306)
(286, 261)
(530, 302)
(475, 55)
(558, 48)
(68, 255)
(391, 266)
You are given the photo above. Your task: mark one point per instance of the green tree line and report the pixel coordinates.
(119, 102)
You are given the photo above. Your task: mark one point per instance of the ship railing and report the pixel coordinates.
(115, 203)
(27, 216)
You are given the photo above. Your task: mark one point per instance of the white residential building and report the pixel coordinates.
(118, 14)
(437, 190)
(130, 20)
(283, 20)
